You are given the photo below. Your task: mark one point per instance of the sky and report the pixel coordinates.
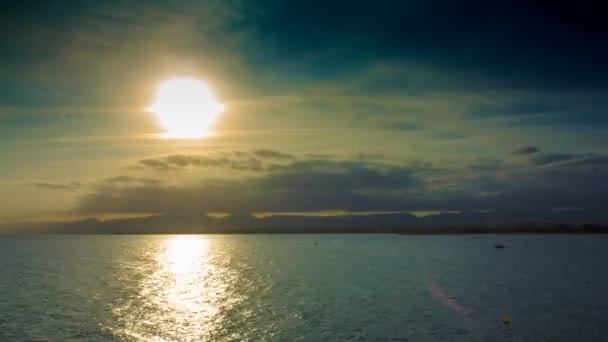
(330, 108)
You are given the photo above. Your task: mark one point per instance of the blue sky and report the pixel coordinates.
(420, 106)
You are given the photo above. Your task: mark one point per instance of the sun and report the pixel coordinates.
(186, 108)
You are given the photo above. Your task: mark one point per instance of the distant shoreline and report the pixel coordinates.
(593, 230)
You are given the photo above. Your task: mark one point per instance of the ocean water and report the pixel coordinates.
(303, 288)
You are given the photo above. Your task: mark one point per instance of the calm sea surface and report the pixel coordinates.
(303, 288)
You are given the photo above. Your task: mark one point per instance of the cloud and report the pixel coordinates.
(131, 180)
(301, 185)
(407, 126)
(255, 161)
(368, 185)
(339, 176)
(569, 160)
(557, 158)
(69, 186)
(155, 164)
(117, 180)
(523, 150)
(588, 160)
(368, 156)
(271, 154)
(544, 108)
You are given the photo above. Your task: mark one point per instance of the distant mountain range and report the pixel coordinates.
(402, 223)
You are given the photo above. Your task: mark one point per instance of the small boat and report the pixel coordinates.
(499, 246)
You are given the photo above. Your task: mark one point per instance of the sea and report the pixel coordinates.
(303, 288)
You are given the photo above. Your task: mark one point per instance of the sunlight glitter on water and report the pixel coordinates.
(183, 297)
(185, 260)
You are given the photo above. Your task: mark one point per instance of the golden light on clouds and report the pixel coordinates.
(186, 108)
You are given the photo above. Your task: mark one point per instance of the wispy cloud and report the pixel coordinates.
(254, 160)
(523, 150)
(131, 180)
(69, 186)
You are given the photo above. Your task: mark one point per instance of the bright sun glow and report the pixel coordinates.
(186, 108)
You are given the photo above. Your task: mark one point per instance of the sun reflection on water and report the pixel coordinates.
(184, 260)
(185, 294)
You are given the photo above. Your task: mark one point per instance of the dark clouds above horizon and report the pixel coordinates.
(546, 182)
(332, 105)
